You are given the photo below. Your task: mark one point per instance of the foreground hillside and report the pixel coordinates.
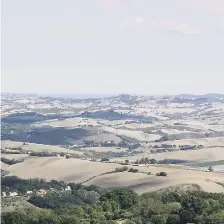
(81, 204)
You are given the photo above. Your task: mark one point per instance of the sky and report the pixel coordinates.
(112, 46)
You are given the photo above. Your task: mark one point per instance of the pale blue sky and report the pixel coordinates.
(113, 46)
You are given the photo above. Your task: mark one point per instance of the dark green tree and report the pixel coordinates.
(126, 198)
(173, 219)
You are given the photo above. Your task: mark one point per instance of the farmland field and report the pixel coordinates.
(121, 130)
(146, 183)
(190, 156)
(60, 169)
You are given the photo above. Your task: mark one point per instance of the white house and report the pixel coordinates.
(13, 194)
(68, 188)
(4, 194)
(29, 192)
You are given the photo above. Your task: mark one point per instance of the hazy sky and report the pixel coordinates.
(113, 46)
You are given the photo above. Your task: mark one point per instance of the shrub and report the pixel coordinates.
(11, 161)
(133, 170)
(121, 169)
(43, 154)
(163, 174)
(105, 160)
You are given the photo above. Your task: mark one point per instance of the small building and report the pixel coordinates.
(13, 194)
(68, 188)
(4, 194)
(29, 192)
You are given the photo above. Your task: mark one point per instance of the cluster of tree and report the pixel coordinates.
(178, 123)
(3, 151)
(163, 174)
(134, 146)
(146, 160)
(126, 144)
(121, 169)
(190, 147)
(59, 199)
(132, 170)
(188, 135)
(122, 204)
(163, 139)
(105, 160)
(110, 154)
(14, 148)
(90, 143)
(163, 161)
(161, 150)
(139, 122)
(165, 146)
(43, 154)
(108, 144)
(14, 183)
(11, 161)
(121, 144)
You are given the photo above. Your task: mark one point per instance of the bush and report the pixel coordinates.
(121, 169)
(11, 161)
(43, 154)
(162, 174)
(105, 160)
(62, 154)
(133, 170)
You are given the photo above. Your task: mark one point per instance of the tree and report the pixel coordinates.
(146, 160)
(121, 169)
(216, 218)
(173, 219)
(126, 198)
(196, 204)
(107, 207)
(109, 215)
(171, 197)
(62, 154)
(133, 170)
(127, 161)
(163, 174)
(210, 169)
(152, 161)
(187, 216)
(158, 219)
(105, 160)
